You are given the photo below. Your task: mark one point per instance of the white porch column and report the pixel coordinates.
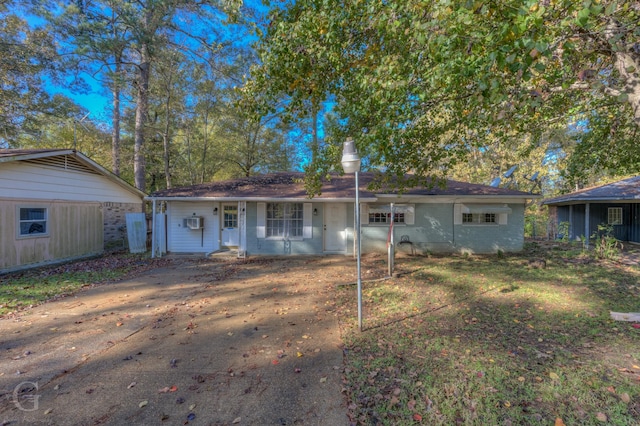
(153, 228)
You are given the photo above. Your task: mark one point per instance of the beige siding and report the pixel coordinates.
(74, 230)
(24, 180)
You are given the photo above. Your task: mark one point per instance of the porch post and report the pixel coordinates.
(153, 228)
(586, 225)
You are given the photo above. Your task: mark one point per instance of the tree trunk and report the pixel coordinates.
(142, 113)
(115, 122)
(205, 145)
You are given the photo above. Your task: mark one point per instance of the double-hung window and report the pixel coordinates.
(614, 215)
(32, 221)
(284, 220)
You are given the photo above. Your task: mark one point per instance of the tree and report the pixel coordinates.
(26, 55)
(418, 83)
(119, 34)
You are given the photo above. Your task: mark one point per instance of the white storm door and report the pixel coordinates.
(230, 234)
(335, 227)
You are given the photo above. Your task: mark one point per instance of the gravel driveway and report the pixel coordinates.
(201, 341)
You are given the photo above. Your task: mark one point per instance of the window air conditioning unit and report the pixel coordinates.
(194, 222)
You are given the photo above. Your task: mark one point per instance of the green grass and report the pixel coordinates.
(486, 340)
(21, 290)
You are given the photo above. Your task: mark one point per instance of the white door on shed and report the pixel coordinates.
(335, 227)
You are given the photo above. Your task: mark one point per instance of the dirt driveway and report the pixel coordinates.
(201, 341)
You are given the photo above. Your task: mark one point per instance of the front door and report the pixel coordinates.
(335, 224)
(230, 235)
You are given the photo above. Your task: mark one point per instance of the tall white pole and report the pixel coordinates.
(359, 248)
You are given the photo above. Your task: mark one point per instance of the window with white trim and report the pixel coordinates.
(472, 218)
(382, 216)
(33, 221)
(284, 220)
(614, 215)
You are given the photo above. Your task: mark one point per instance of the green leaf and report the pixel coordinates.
(622, 98)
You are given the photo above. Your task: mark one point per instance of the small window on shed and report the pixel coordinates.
(614, 216)
(33, 221)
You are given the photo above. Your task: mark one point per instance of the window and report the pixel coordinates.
(284, 220)
(481, 214)
(381, 214)
(376, 217)
(470, 218)
(230, 216)
(614, 216)
(33, 221)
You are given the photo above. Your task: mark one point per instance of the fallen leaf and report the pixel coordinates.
(119, 324)
(143, 403)
(521, 379)
(559, 422)
(625, 398)
(299, 354)
(47, 411)
(507, 404)
(173, 388)
(411, 405)
(323, 379)
(554, 376)
(601, 417)
(275, 362)
(417, 417)
(237, 420)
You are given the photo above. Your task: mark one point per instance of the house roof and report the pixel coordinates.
(67, 158)
(290, 185)
(626, 189)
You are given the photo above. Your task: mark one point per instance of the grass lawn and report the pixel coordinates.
(20, 290)
(488, 340)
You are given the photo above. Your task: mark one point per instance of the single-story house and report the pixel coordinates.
(57, 205)
(272, 214)
(616, 204)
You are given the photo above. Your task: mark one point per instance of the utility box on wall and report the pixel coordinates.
(194, 222)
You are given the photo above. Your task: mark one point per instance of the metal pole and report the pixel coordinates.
(358, 247)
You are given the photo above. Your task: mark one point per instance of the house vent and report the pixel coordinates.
(66, 162)
(194, 222)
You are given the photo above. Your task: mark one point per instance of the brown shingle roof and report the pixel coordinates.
(291, 185)
(626, 189)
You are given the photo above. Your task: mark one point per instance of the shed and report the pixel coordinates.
(57, 205)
